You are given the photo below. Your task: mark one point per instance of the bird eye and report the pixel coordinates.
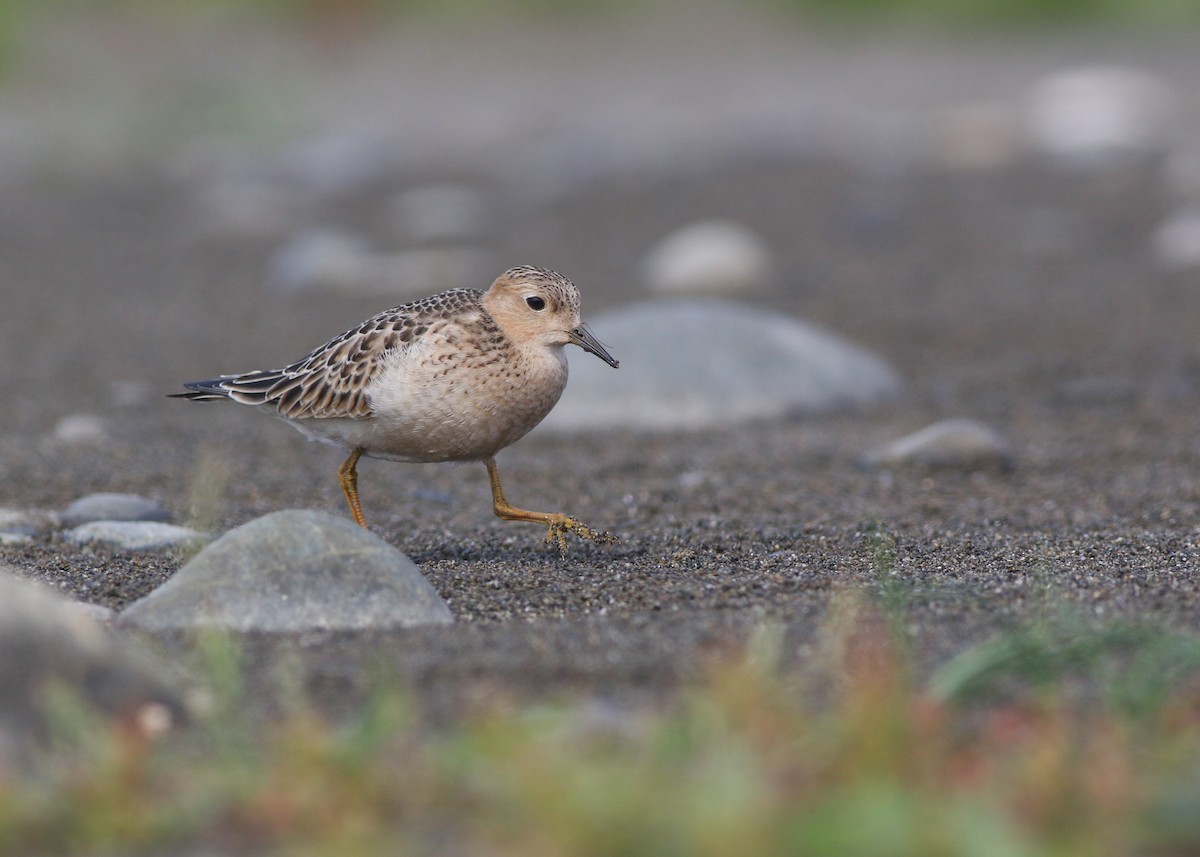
(535, 303)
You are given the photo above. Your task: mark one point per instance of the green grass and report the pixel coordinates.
(845, 755)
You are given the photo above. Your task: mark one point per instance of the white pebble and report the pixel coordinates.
(1095, 113)
(81, 430)
(135, 535)
(713, 257)
(1177, 241)
(953, 444)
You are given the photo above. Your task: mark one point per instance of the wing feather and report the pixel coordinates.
(332, 380)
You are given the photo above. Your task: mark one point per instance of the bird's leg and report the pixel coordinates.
(348, 476)
(558, 523)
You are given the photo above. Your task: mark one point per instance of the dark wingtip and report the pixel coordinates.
(201, 391)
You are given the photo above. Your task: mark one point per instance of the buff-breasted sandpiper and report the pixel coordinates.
(457, 376)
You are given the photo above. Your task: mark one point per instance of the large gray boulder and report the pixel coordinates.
(292, 571)
(690, 363)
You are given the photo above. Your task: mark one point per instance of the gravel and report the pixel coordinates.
(1019, 296)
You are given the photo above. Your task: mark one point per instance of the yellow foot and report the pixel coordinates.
(559, 525)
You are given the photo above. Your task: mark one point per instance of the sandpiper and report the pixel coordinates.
(457, 376)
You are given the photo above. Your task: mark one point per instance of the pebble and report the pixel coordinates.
(135, 535)
(50, 641)
(81, 430)
(1177, 241)
(108, 506)
(979, 137)
(18, 526)
(714, 257)
(293, 571)
(1095, 113)
(961, 444)
(690, 363)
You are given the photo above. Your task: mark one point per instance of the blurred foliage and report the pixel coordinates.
(842, 753)
(17, 17)
(998, 12)
(981, 12)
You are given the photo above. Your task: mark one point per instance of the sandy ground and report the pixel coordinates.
(1025, 296)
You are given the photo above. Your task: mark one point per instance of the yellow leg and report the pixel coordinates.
(348, 476)
(557, 523)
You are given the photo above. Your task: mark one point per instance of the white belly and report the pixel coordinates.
(429, 411)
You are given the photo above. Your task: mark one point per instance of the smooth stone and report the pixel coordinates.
(709, 258)
(135, 535)
(51, 642)
(81, 430)
(950, 444)
(690, 363)
(19, 525)
(293, 571)
(1094, 113)
(979, 137)
(1177, 241)
(111, 506)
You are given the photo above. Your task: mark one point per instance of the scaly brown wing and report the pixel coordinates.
(332, 381)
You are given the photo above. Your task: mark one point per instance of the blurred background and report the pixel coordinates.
(195, 187)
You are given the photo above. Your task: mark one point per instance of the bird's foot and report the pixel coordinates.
(559, 525)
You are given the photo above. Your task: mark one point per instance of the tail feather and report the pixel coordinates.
(197, 396)
(251, 388)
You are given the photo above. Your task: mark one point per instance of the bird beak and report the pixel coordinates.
(582, 337)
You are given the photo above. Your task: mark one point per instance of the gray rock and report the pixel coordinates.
(1093, 114)
(109, 506)
(699, 362)
(52, 646)
(1177, 240)
(292, 571)
(953, 444)
(135, 535)
(981, 136)
(22, 525)
(709, 258)
(81, 430)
